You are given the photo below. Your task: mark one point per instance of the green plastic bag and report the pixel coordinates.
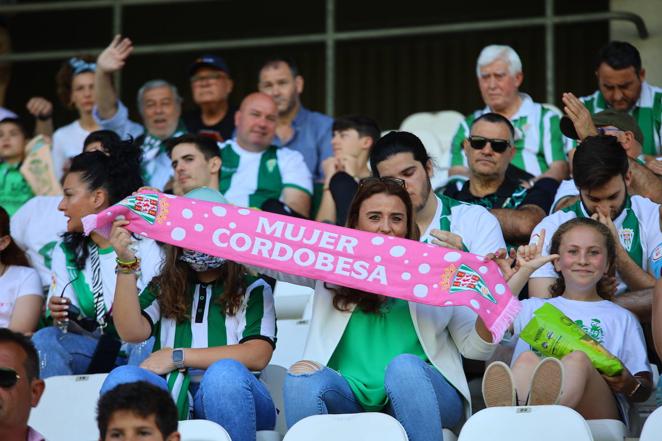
(553, 334)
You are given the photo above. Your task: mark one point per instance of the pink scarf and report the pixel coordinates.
(394, 267)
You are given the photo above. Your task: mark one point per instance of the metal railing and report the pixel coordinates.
(330, 37)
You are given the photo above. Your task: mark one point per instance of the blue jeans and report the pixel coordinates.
(70, 354)
(228, 394)
(419, 397)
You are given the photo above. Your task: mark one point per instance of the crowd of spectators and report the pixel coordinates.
(568, 205)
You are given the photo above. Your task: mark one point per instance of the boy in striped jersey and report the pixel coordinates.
(622, 86)
(539, 148)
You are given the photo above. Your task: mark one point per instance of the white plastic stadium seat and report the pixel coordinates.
(418, 121)
(202, 430)
(445, 125)
(369, 426)
(292, 336)
(67, 400)
(290, 300)
(273, 376)
(542, 423)
(653, 427)
(435, 150)
(607, 430)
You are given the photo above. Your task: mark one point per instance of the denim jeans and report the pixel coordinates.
(419, 397)
(228, 394)
(70, 354)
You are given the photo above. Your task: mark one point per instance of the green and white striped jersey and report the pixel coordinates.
(647, 111)
(250, 178)
(538, 139)
(208, 326)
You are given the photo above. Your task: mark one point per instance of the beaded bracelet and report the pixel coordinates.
(127, 267)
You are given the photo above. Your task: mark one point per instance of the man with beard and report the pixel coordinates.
(440, 219)
(602, 175)
(622, 86)
(298, 128)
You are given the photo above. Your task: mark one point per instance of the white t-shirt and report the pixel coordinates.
(17, 281)
(250, 178)
(567, 188)
(67, 143)
(479, 229)
(36, 227)
(614, 327)
(648, 215)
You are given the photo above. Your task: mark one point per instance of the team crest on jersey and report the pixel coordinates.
(626, 235)
(271, 165)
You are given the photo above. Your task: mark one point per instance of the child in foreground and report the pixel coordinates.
(137, 411)
(583, 251)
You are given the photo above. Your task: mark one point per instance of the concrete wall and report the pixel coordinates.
(651, 48)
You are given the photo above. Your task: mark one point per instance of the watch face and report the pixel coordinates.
(177, 356)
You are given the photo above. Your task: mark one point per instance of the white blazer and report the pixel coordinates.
(444, 333)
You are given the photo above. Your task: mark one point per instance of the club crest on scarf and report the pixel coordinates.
(458, 280)
(148, 206)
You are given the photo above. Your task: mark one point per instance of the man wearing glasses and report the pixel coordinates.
(539, 146)
(20, 386)
(211, 84)
(489, 149)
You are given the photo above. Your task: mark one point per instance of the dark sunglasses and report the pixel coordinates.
(498, 145)
(8, 378)
(372, 179)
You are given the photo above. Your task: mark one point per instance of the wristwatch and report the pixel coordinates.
(178, 359)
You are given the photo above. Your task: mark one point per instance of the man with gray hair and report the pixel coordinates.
(160, 107)
(539, 146)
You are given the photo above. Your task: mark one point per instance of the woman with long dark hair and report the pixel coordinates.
(213, 323)
(21, 295)
(83, 267)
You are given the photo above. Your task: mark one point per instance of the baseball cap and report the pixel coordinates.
(212, 61)
(610, 117)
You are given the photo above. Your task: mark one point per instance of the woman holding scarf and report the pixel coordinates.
(80, 299)
(213, 323)
(370, 353)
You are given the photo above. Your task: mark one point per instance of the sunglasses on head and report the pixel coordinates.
(8, 378)
(372, 179)
(479, 142)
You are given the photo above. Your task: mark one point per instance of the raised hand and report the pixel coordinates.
(113, 58)
(530, 258)
(579, 115)
(40, 107)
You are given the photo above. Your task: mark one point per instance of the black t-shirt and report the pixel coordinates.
(509, 195)
(222, 131)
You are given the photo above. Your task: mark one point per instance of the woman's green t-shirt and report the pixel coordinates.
(369, 343)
